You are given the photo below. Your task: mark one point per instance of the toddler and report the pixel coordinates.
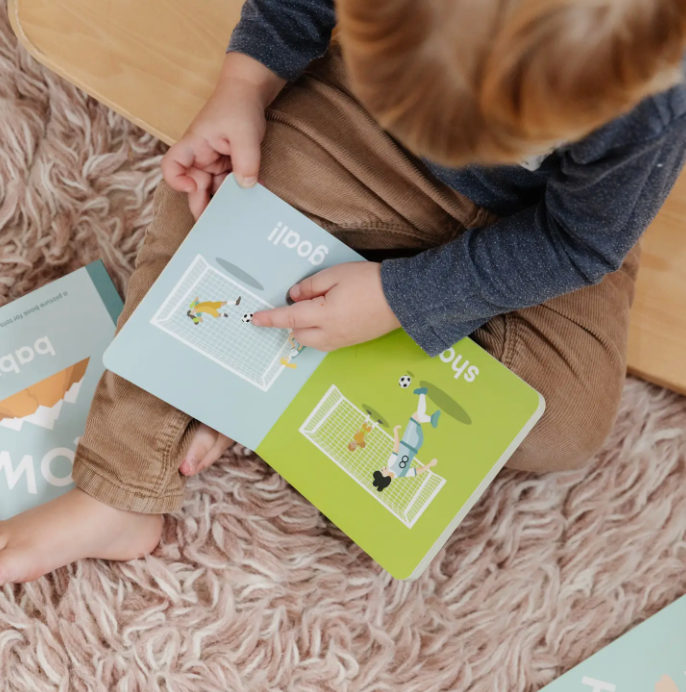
(497, 161)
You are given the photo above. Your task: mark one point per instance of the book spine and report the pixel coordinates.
(105, 288)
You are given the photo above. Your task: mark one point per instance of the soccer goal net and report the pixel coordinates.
(331, 426)
(250, 353)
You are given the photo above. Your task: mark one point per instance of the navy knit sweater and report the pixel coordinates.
(563, 226)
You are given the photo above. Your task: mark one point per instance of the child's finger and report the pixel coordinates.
(175, 165)
(299, 316)
(245, 157)
(313, 337)
(313, 286)
(197, 202)
(222, 145)
(200, 197)
(217, 180)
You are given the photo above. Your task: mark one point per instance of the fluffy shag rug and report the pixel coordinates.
(251, 588)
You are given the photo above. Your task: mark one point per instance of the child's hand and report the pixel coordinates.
(226, 135)
(339, 306)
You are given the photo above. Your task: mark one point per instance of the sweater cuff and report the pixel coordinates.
(250, 38)
(406, 295)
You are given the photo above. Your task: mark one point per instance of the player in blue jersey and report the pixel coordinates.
(296, 350)
(406, 448)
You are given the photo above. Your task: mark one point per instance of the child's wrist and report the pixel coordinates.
(252, 74)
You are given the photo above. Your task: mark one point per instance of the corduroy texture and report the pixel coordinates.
(251, 588)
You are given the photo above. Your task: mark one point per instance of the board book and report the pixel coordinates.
(326, 422)
(51, 346)
(649, 658)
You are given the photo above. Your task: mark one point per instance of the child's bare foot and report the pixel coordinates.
(70, 528)
(206, 447)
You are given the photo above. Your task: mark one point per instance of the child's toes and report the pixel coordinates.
(214, 454)
(206, 447)
(202, 442)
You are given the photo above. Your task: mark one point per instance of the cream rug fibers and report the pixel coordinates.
(252, 589)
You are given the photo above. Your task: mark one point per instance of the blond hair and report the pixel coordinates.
(493, 81)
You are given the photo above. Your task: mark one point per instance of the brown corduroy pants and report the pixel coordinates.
(327, 157)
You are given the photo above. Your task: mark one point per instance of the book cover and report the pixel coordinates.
(392, 446)
(51, 346)
(649, 658)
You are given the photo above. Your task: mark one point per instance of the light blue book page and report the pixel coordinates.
(190, 345)
(51, 346)
(649, 658)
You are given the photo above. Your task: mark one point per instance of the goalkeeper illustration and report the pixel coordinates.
(295, 351)
(359, 440)
(197, 309)
(406, 448)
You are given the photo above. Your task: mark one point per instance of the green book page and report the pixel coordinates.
(339, 430)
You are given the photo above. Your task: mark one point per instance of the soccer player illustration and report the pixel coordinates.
(296, 350)
(359, 438)
(197, 309)
(405, 449)
(666, 684)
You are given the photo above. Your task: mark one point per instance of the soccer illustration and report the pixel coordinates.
(358, 441)
(295, 350)
(405, 449)
(666, 684)
(229, 339)
(197, 309)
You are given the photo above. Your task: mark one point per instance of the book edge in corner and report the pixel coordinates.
(479, 491)
(106, 289)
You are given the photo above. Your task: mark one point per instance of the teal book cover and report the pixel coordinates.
(393, 446)
(649, 658)
(51, 346)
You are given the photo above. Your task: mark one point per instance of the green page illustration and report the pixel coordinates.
(326, 422)
(336, 441)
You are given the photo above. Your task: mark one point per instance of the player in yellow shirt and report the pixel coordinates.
(359, 437)
(197, 309)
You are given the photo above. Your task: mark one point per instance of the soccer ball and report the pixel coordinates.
(247, 317)
(405, 381)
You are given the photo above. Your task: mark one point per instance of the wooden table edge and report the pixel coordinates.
(47, 61)
(671, 385)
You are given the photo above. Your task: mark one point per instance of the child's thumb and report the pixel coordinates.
(245, 159)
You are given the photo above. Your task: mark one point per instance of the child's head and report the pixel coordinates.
(497, 81)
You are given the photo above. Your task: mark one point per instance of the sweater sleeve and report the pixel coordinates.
(587, 221)
(284, 35)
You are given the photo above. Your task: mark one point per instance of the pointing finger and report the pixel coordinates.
(299, 316)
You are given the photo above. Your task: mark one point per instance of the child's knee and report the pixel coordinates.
(574, 427)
